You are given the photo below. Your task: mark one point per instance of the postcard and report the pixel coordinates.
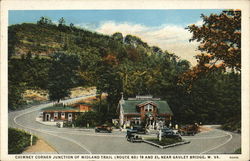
(124, 80)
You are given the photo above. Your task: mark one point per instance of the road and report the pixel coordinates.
(86, 141)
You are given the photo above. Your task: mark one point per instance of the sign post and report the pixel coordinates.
(160, 135)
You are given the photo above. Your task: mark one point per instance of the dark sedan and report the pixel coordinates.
(103, 128)
(139, 129)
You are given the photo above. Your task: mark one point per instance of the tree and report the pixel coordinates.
(134, 41)
(220, 39)
(118, 36)
(90, 118)
(44, 21)
(61, 22)
(62, 75)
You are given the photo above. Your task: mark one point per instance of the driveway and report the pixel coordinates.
(86, 141)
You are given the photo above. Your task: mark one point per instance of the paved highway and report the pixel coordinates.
(86, 141)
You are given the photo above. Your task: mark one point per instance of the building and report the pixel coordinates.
(61, 112)
(153, 112)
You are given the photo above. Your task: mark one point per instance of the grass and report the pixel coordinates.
(164, 141)
(237, 151)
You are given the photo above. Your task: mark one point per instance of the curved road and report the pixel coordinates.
(86, 141)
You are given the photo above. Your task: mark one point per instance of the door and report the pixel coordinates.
(47, 117)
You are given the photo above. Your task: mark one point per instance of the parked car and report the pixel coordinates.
(169, 133)
(139, 129)
(189, 129)
(103, 128)
(133, 137)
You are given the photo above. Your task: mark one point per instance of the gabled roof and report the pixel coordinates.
(129, 106)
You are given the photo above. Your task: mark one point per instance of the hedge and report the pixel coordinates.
(18, 140)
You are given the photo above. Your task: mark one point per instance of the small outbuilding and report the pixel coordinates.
(65, 113)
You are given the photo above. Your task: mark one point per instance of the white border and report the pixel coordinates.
(126, 4)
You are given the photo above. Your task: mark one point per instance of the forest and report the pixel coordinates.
(59, 57)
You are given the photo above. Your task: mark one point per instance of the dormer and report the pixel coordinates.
(147, 106)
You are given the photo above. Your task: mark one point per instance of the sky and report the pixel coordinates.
(163, 28)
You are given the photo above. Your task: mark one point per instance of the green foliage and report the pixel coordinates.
(44, 21)
(164, 141)
(67, 124)
(18, 140)
(214, 98)
(61, 22)
(101, 114)
(237, 151)
(118, 36)
(91, 118)
(215, 94)
(25, 73)
(220, 36)
(62, 75)
(120, 63)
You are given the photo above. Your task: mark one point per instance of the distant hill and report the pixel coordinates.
(44, 39)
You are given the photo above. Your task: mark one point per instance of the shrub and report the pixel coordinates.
(232, 126)
(67, 124)
(18, 140)
(237, 151)
(90, 118)
(164, 141)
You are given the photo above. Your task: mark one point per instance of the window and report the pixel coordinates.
(148, 107)
(55, 115)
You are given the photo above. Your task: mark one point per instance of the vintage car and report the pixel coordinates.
(103, 128)
(169, 133)
(132, 136)
(189, 129)
(139, 129)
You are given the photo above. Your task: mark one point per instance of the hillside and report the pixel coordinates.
(45, 39)
(84, 56)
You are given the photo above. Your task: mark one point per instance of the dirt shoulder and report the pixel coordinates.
(204, 129)
(40, 146)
